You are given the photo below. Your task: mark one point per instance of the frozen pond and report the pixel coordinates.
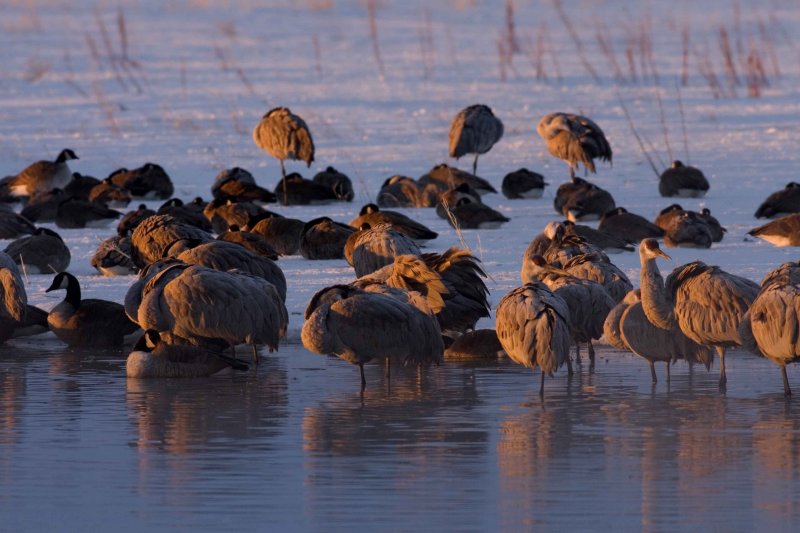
(461, 447)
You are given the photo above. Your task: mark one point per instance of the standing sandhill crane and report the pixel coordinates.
(773, 318)
(474, 130)
(604, 272)
(704, 302)
(575, 139)
(611, 332)
(284, 135)
(588, 302)
(373, 247)
(682, 181)
(533, 328)
(357, 326)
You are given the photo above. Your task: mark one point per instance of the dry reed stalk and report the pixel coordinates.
(562, 14)
(769, 42)
(636, 135)
(511, 36)
(426, 44)
(608, 51)
(727, 56)
(373, 34)
(685, 55)
(706, 69)
(317, 56)
(664, 130)
(683, 124)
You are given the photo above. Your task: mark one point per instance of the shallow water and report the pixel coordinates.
(459, 447)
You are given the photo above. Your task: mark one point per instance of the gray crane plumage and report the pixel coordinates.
(371, 248)
(156, 233)
(474, 130)
(611, 332)
(358, 326)
(533, 328)
(373, 215)
(704, 302)
(13, 309)
(607, 274)
(574, 139)
(284, 135)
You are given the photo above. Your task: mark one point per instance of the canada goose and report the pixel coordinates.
(131, 219)
(226, 256)
(155, 233)
(294, 189)
(44, 252)
(13, 225)
(606, 273)
(533, 328)
(558, 245)
(781, 203)
(402, 191)
(574, 139)
(41, 176)
(187, 213)
(284, 135)
(445, 177)
(339, 183)
(153, 358)
(717, 231)
(224, 212)
(371, 248)
(478, 345)
(588, 301)
(358, 326)
(88, 322)
(323, 238)
(523, 183)
(73, 213)
(113, 257)
(43, 206)
(582, 200)
(110, 195)
(610, 244)
(449, 199)
(239, 185)
(468, 214)
(373, 215)
(283, 234)
(611, 332)
(629, 226)
(704, 302)
(80, 186)
(784, 231)
(474, 130)
(195, 302)
(682, 181)
(148, 182)
(13, 305)
(684, 229)
(253, 242)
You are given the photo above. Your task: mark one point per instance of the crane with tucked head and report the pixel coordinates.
(474, 130)
(574, 139)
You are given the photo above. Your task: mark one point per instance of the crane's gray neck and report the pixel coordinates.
(658, 306)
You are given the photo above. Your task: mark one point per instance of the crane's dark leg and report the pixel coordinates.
(591, 356)
(541, 386)
(570, 372)
(255, 354)
(787, 391)
(283, 182)
(388, 366)
(363, 379)
(578, 354)
(283, 172)
(723, 380)
(475, 165)
(668, 372)
(653, 372)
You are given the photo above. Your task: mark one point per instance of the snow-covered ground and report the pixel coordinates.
(182, 83)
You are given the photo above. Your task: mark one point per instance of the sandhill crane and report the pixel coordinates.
(155, 233)
(574, 139)
(358, 326)
(604, 272)
(152, 357)
(611, 332)
(474, 130)
(704, 302)
(523, 183)
(87, 322)
(682, 181)
(629, 226)
(148, 182)
(773, 318)
(582, 200)
(14, 301)
(371, 248)
(558, 245)
(195, 302)
(41, 176)
(533, 328)
(44, 252)
(374, 215)
(784, 231)
(588, 302)
(780, 203)
(284, 135)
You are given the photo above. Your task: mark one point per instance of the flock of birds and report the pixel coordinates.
(198, 296)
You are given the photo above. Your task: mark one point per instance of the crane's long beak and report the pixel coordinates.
(660, 253)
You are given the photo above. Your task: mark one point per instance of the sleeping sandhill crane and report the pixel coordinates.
(358, 326)
(780, 203)
(704, 302)
(153, 357)
(284, 135)
(38, 177)
(374, 215)
(604, 272)
(588, 302)
(195, 302)
(155, 233)
(773, 318)
(655, 344)
(611, 332)
(558, 245)
(574, 139)
(682, 181)
(533, 328)
(373, 247)
(610, 244)
(474, 130)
